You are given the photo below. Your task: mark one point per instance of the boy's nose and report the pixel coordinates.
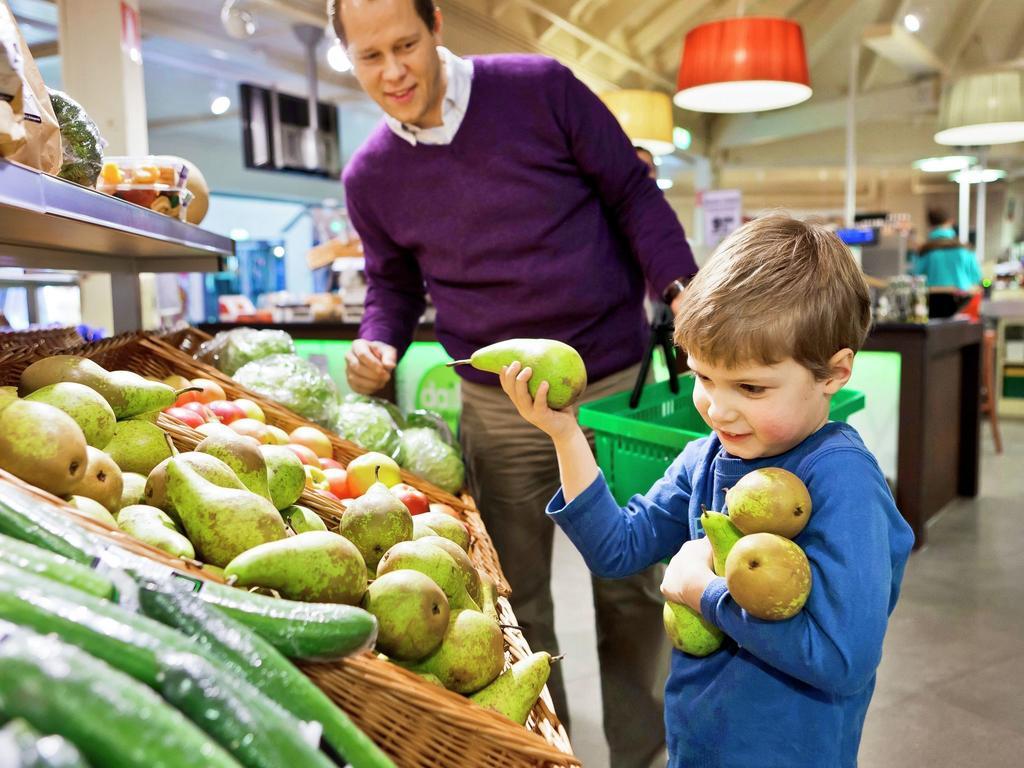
(721, 412)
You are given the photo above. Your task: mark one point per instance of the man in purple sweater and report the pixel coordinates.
(504, 187)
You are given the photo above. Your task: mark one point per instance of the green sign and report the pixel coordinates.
(438, 391)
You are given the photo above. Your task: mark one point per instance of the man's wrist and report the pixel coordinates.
(676, 287)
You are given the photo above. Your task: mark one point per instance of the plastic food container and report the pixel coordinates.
(156, 182)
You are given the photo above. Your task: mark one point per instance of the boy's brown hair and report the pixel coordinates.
(776, 288)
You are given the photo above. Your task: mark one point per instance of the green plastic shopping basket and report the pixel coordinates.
(635, 446)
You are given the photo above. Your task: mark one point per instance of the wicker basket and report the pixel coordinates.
(149, 356)
(46, 340)
(418, 724)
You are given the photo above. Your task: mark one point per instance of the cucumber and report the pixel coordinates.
(251, 726)
(28, 519)
(115, 721)
(22, 746)
(258, 732)
(41, 562)
(216, 635)
(313, 631)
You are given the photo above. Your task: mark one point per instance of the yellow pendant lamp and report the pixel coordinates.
(645, 116)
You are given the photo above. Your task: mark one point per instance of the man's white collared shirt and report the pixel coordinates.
(456, 98)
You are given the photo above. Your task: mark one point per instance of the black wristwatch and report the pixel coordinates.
(676, 287)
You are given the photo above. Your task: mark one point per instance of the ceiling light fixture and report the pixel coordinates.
(337, 57)
(220, 104)
(665, 184)
(911, 22)
(982, 109)
(944, 164)
(743, 65)
(237, 21)
(977, 175)
(645, 116)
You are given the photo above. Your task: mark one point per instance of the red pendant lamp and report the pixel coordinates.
(743, 65)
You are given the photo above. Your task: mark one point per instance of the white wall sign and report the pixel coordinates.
(723, 212)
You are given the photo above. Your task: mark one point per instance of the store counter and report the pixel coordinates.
(921, 384)
(937, 455)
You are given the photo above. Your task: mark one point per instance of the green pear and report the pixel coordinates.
(471, 654)
(552, 361)
(127, 393)
(138, 446)
(302, 519)
(412, 614)
(441, 524)
(83, 404)
(314, 567)
(375, 522)
(723, 534)
(220, 522)
(488, 594)
(769, 500)
(434, 562)
(133, 489)
(285, 476)
(42, 445)
(514, 692)
(103, 481)
(92, 509)
(768, 576)
(244, 458)
(152, 526)
(470, 577)
(689, 631)
(432, 679)
(209, 467)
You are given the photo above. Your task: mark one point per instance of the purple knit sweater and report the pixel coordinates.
(538, 220)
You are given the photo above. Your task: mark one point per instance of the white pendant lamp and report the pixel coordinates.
(982, 109)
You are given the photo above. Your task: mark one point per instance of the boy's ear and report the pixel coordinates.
(841, 366)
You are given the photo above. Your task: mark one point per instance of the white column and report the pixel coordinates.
(979, 225)
(850, 203)
(101, 67)
(964, 217)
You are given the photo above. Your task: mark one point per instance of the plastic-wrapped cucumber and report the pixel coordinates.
(40, 562)
(25, 518)
(115, 721)
(256, 730)
(22, 746)
(217, 636)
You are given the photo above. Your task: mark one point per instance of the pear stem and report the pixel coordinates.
(511, 626)
(183, 390)
(453, 363)
(557, 658)
(703, 508)
(376, 473)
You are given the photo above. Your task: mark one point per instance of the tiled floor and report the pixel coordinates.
(951, 685)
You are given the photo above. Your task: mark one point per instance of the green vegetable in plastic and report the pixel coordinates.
(369, 425)
(424, 453)
(296, 384)
(80, 139)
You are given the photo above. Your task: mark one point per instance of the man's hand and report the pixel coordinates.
(689, 573)
(557, 424)
(677, 303)
(369, 365)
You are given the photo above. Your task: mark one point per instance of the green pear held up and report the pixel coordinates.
(552, 361)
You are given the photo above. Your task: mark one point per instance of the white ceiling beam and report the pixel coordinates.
(670, 20)
(815, 117)
(889, 12)
(896, 44)
(620, 57)
(968, 15)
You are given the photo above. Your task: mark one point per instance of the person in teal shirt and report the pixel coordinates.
(943, 259)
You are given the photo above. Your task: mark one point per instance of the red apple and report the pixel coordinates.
(204, 412)
(314, 439)
(251, 428)
(216, 428)
(330, 464)
(209, 391)
(306, 456)
(438, 507)
(186, 415)
(252, 410)
(414, 499)
(227, 411)
(338, 479)
(362, 472)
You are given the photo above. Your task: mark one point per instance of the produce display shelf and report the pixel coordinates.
(49, 223)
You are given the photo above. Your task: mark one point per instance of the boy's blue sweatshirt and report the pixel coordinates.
(789, 694)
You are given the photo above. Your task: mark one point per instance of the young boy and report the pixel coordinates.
(770, 328)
